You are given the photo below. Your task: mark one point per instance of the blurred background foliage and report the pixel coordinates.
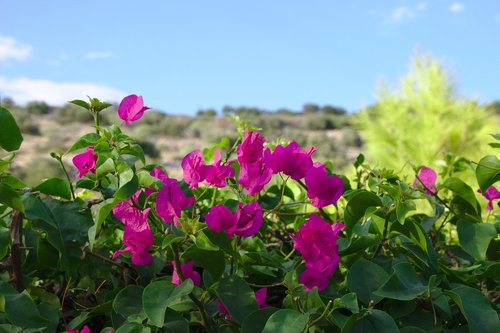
(416, 123)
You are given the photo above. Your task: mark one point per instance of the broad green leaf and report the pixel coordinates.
(128, 302)
(237, 297)
(10, 197)
(463, 191)
(213, 261)
(11, 180)
(170, 239)
(373, 321)
(56, 187)
(476, 308)
(103, 211)
(20, 308)
(103, 168)
(488, 172)
(175, 322)
(358, 203)
(133, 328)
(256, 321)
(359, 244)
(203, 243)
(363, 278)
(403, 284)
(129, 184)
(4, 241)
(66, 225)
(81, 103)
(158, 295)
(475, 237)
(135, 150)
(404, 209)
(87, 140)
(10, 135)
(286, 321)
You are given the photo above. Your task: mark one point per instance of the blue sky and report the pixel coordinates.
(182, 56)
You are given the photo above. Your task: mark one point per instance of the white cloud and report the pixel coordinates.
(98, 55)
(23, 90)
(456, 7)
(11, 49)
(405, 13)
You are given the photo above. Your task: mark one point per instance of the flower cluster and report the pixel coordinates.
(491, 194)
(85, 162)
(245, 223)
(196, 171)
(316, 240)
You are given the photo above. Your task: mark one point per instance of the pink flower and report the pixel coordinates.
(131, 108)
(137, 236)
(85, 162)
(85, 329)
(311, 278)
(217, 173)
(250, 150)
(253, 177)
(157, 172)
(322, 189)
(170, 201)
(187, 273)
(248, 219)
(291, 160)
(316, 240)
(221, 218)
(491, 194)
(428, 177)
(194, 168)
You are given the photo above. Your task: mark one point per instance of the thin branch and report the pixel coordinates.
(16, 229)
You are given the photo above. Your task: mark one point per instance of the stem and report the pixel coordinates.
(96, 122)
(327, 307)
(434, 194)
(16, 229)
(384, 234)
(195, 300)
(107, 260)
(59, 159)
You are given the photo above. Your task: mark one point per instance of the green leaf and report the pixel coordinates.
(403, 210)
(475, 237)
(20, 308)
(87, 140)
(81, 103)
(103, 168)
(203, 242)
(403, 284)
(158, 295)
(358, 203)
(10, 135)
(476, 308)
(286, 321)
(10, 197)
(4, 241)
(66, 225)
(464, 191)
(170, 239)
(103, 211)
(133, 328)
(488, 172)
(373, 321)
(128, 302)
(363, 278)
(56, 187)
(256, 321)
(212, 261)
(12, 181)
(175, 322)
(237, 297)
(130, 184)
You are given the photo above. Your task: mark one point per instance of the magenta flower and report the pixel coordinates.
(157, 172)
(85, 329)
(85, 162)
(428, 177)
(250, 150)
(316, 240)
(491, 194)
(248, 219)
(170, 201)
(311, 278)
(194, 168)
(217, 173)
(322, 189)
(253, 177)
(187, 273)
(131, 108)
(291, 160)
(221, 218)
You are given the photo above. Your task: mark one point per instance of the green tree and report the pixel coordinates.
(424, 119)
(37, 107)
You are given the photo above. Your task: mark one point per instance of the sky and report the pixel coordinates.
(183, 56)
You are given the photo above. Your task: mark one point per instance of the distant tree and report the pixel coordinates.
(206, 113)
(494, 107)
(423, 120)
(37, 107)
(7, 102)
(310, 108)
(227, 109)
(333, 110)
(285, 111)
